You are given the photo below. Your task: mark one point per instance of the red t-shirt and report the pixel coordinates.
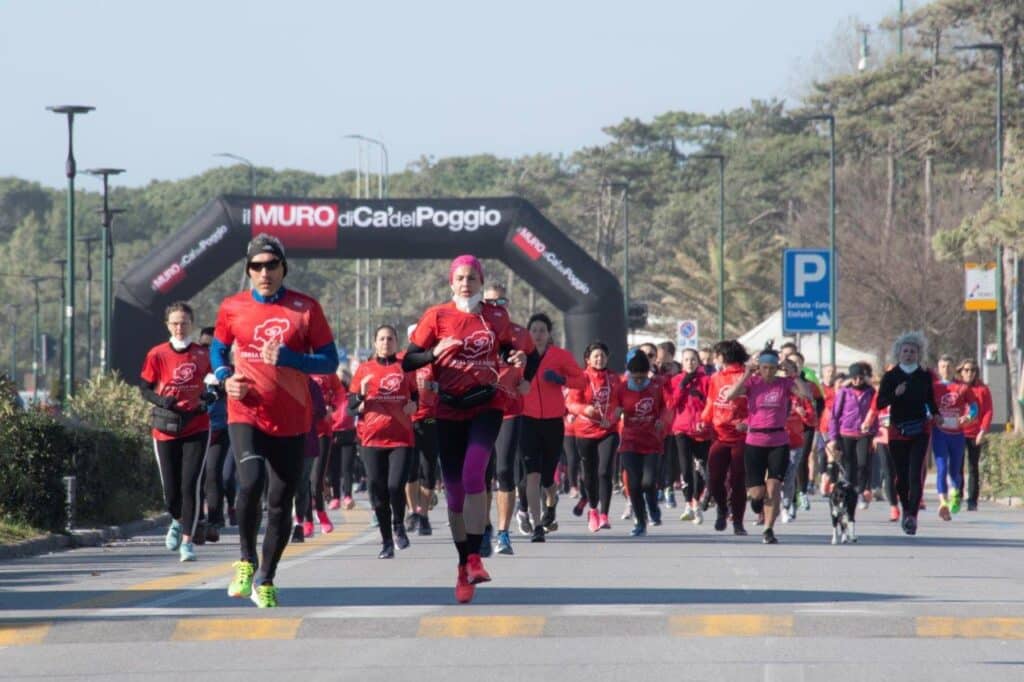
(383, 422)
(475, 362)
(278, 401)
(426, 406)
(333, 393)
(179, 374)
(600, 392)
(724, 414)
(341, 420)
(641, 412)
(954, 400)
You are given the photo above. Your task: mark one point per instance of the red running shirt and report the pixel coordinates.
(334, 397)
(641, 412)
(383, 422)
(725, 415)
(475, 362)
(341, 420)
(600, 392)
(179, 375)
(278, 401)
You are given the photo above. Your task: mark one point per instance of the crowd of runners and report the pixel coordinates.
(255, 415)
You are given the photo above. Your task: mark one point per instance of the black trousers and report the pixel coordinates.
(693, 459)
(857, 463)
(908, 461)
(540, 445)
(670, 470)
(181, 466)
(387, 471)
(425, 453)
(274, 463)
(598, 458)
(213, 476)
(642, 478)
(973, 479)
(505, 452)
(345, 444)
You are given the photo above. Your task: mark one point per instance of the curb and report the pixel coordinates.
(85, 537)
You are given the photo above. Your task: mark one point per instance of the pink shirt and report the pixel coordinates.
(768, 407)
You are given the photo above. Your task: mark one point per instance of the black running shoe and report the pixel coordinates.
(401, 539)
(412, 522)
(580, 505)
(425, 528)
(200, 537)
(538, 534)
(722, 520)
(297, 535)
(910, 525)
(738, 529)
(769, 538)
(387, 551)
(547, 519)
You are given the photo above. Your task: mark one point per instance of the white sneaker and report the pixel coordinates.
(786, 516)
(851, 533)
(698, 516)
(835, 535)
(687, 514)
(627, 513)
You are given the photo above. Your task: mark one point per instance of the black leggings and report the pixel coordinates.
(888, 469)
(670, 469)
(856, 462)
(425, 452)
(597, 456)
(642, 482)
(540, 444)
(802, 474)
(180, 462)
(573, 465)
(346, 446)
(387, 470)
(505, 447)
(213, 482)
(693, 460)
(274, 462)
(908, 462)
(971, 460)
(316, 479)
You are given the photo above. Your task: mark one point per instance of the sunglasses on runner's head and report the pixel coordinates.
(500, 300)
(269, 266)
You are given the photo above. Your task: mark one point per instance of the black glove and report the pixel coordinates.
(554, 377)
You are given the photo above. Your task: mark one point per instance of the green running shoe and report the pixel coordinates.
(955, 501)
(241, 586)
(173, 539)
(265, 596)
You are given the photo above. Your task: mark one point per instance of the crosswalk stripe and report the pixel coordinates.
(23, 634)
(731, 625)
(215, 629)
(461, 627)
(971, 628)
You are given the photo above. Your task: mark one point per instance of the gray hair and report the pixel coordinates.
(910, 338)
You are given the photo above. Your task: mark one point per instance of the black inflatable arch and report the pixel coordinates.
(509, 229)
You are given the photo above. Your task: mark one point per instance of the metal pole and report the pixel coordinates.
(88, 241)
(63, 327)
(13, 311)
(1000, 303)
(900, 49)
(67, 362)
(981, 342)
(832, 303)
(625, 241)
(721, 247)
(35, 342)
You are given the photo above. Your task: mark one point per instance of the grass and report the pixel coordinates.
(13, 531)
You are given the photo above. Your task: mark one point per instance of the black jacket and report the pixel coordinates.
(920, 394)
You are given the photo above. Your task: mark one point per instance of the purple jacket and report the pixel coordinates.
(848, 412)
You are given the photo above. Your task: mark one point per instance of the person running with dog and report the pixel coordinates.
(464, 341)
(766, 454)
(851, 429)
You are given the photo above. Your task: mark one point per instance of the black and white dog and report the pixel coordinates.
(843, 529)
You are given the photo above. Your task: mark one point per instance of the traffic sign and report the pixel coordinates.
(687, 334)
(806, 307)
(980, 286)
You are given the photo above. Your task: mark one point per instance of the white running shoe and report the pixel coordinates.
(698, 516)
(627, 513)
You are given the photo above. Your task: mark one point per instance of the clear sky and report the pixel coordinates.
(282, 82)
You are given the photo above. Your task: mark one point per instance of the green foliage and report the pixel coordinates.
(108, 403)
(35, 453)
(1002, 465)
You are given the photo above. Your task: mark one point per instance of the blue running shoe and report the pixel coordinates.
(187, 552)
(639, 530)
(173, 539)
(486, 546)
(504, 543)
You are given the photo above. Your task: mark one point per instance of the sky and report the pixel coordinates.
(282, 83)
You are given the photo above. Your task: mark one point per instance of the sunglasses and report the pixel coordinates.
(269, 265)
(972, 370)
(501, 300)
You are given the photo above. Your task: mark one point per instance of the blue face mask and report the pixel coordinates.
(633, 386)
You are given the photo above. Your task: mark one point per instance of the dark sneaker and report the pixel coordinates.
(910, 525)
(768, 537)
(547, 519)
(738, 529)
(722, 520)
(425, 528)
(578, 508)
(538, 534)
(401, 539)
(387, 551)
(212, 534)
(412, 522)
(297, 535)
(200, 537)
(486, 546)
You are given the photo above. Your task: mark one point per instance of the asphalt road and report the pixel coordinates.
(683, 603)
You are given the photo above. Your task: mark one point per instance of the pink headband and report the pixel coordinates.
(469, 260)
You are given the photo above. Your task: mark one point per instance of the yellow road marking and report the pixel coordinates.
(460, 627)
(215, 629)
(971, 628)
(731, 625)
(21, 635)
(354, 525)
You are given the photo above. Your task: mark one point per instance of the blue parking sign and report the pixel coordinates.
(806, 275)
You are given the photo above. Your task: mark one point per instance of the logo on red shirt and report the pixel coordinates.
(644, 407)
(477, 345)
(948, 400)
(720, 399)
(273, 329)
(390, 383)
(302, 226)
(184, 374)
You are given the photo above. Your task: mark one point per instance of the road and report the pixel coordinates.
(683, 603)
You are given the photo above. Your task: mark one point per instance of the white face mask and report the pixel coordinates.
(909, 369)
(180, 344)
(467, 305)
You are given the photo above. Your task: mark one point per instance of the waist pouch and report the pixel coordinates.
(167, 421)
(474, 397)
(911, 428)
(775, 430)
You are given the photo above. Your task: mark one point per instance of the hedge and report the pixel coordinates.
(1002, 466)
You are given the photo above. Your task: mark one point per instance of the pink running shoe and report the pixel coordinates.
(307, 529)
(335, 503)
(348, 502)
(604, 521)
(325, 522)
(594, 521)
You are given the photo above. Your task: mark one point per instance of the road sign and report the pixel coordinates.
(687, 335)
(980, 286)
(806, 277)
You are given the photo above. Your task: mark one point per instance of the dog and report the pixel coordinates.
(842, 527)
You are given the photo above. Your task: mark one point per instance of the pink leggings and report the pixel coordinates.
(466, 447)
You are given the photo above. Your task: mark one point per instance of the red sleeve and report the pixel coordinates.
(573, 374)
(576, 401)
(707, 413)
(425, 333)
(319, 332)
(357, 378)
(222, 329)
(150, 368)
(514, 335)
(984, 408)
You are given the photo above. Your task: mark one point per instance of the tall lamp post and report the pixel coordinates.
(12, 312)
(997, 48)
(65, 357)
(88, 241)
(246, 162)
(68, 311)
(35, 339)
(106, 305)
(834, 275)
(721, 236)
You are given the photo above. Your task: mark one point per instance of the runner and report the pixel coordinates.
(957, 407)
(766, 455)
(596, 413)
(280, 336)
(800, 413)
(463, 339)
(728, 419)
(423, 469)
(689, 391)
(644, 420)
(804, 474)
(542, 429)
(214, 488)
(335, 400)
(851, 429)
(172, 381)
(311, 451)
(385, 403)
(343, 447)
(975, 431)
(909, 390)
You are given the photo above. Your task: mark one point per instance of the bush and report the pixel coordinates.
(1002, 466)
(107, 403)
(34, 455)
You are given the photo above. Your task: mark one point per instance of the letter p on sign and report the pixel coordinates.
(810, 268)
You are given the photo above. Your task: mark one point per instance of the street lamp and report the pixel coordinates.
(35, 339)
(248, 163)
(833, 309)
(997, 48)
(88, 241)
(107, 303)
(12, 312)
(721, 236)
(68, 365)
(382, 180)
(65, 357)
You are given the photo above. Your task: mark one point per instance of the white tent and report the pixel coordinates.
(771, 328)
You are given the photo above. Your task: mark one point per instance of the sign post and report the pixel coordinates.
(980, 294)
(687, 334)
(806, 282)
